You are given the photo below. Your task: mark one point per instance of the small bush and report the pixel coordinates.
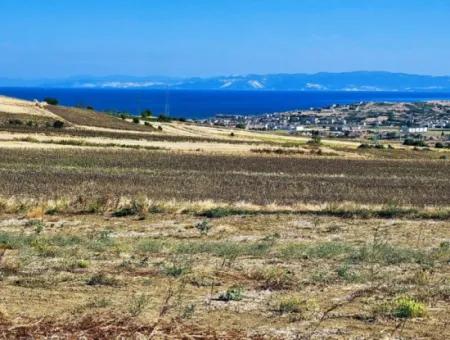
(221, 212)
(163, 118)
(51, 101)
(316, 139)
(345, 273)
(136, 120)
(274, 278)
(82, 264)
(232, 294)
(406, 307)
(290, 304)
(146, 113)
(414, 142)
(101, 279)
(138, 304)
(203, 227)
(123, 212)
(15, 122)
(177, 267)
(57, 124)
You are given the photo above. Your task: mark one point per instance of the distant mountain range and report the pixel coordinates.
(347, 81)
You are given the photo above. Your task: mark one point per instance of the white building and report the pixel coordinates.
(416, 129)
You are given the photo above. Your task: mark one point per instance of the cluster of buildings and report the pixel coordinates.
(389, 120)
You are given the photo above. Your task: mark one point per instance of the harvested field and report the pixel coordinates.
(255, 179)
(93, 118)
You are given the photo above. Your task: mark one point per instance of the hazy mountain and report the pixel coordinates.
(348, 81)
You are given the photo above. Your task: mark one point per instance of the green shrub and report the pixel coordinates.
(406, 307)
(177, 267)
(345, 273)
(51, 101)
(203, 227)
(100, 279)
(57, 124)
(15, 122)
(146, 113)
(232, 294)
(274, 278)
(221, 212)
(82, 264)
(290, 304)
(138, 304)
(123, 212)
(164, 118)
(136, 120)
(414, 142)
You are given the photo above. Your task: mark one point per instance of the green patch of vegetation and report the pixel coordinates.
(346, 273)
(138, 304)
(406, 307)
(51, 101)
(177, 266)
(203, 227)
(151, 246)
(232, 294)
(388, 254)
(290, 304)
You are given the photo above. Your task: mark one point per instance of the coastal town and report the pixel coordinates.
(384, 120)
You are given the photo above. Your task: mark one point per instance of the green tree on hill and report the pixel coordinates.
(146, 113)
(51, 101)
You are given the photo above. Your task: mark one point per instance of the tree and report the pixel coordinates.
(146, 113)
(51, 101)
(57, 124)
(315, 138)
(163, 118)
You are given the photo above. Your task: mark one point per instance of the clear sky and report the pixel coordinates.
(59, 38)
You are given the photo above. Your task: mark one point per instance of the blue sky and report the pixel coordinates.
(59, 38)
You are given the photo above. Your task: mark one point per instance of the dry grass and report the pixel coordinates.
(296, 275)
(287, 243)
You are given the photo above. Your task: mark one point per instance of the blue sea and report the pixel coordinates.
(197, 104)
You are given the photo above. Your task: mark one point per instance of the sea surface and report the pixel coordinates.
(203, 104)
